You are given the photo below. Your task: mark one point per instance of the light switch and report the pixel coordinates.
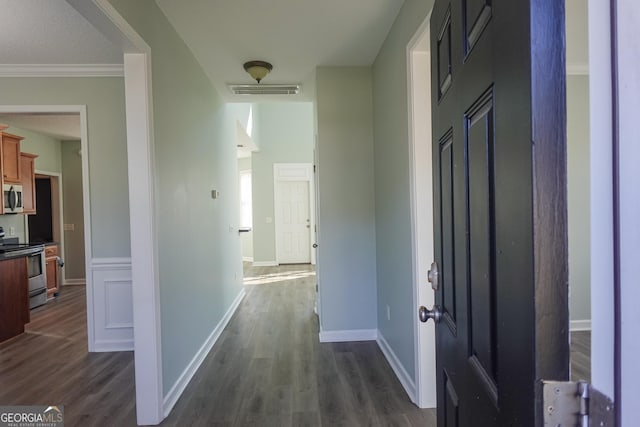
(69, 227)
(215, 194)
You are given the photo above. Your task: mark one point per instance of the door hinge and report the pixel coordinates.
(314, 168)
(567, 403)
(316, 288)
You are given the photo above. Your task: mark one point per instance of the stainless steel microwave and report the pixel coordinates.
(12, 198)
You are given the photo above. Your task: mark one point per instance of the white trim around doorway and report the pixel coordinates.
(421, 190)
(141, 170)
(81, 110)
(294, 172)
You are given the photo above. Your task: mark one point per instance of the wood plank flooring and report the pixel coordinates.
(267, 369)
(49, 365)
(581, 356)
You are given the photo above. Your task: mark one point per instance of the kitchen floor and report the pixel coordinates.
(49, 365)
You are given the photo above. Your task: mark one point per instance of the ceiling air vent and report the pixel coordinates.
(261, 89)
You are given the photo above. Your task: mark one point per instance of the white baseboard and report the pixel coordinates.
(178, 387)
(405, 379)
(75, 282)
(247, 258)
(580, 325)
(102, 346)
(349, 335)
(265, 263)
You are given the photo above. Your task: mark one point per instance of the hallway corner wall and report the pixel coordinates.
(346, 220)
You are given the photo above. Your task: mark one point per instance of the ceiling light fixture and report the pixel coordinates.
(258, 69)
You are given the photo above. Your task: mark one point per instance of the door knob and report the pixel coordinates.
(425, 314)
(433, 275)
(315, 245)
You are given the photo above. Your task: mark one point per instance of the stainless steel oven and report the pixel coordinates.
(37, 278)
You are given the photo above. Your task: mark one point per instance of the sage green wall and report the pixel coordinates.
(47, 148)
(195, 152)
(73, 212)
(346, 220)
(285, 135)
(578, 197)
(393, 208)
(104, 98)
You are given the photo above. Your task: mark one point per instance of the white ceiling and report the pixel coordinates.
(295, 36)
(59, 126)
(50, 32)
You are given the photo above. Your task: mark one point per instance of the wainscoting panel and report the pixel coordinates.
(110, 304)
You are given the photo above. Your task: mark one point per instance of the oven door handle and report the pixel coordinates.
(37, 292)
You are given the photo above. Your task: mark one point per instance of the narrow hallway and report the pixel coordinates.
(269, 369)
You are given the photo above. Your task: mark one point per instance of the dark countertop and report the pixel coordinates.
(13, 252)
(45, 243)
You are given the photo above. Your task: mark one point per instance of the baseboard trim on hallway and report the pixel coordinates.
(265, 264)
(105, 346)
(178, 388)
(247, 258)
(580, 325)
(349, 335)
(75, 282)
(403, 376)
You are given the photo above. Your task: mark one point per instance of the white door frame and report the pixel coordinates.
(421, 188)
(601, 189)
(80, 110)
(60, 225)
(294, 172)
(150, 406)
(624, 69)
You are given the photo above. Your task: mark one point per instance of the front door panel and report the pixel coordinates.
(489, 242)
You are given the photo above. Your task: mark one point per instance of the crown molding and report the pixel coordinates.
(578, 69)
(61, 70)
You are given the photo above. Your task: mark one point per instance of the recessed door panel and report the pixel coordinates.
(452, 418)
(481, 243)
(444, 56)
(447, 275)
(477, 14)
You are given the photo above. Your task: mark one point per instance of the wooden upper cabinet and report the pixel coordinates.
(11, 158)
(28, 181)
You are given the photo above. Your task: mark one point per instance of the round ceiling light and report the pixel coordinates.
(258, 69)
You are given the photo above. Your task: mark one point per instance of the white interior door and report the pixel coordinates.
(294, 222)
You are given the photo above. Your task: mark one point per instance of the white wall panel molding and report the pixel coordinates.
(112, 302)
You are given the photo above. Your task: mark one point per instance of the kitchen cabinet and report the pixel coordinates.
(28, 181)
(10, 158)
(14, 297)
(51, 262)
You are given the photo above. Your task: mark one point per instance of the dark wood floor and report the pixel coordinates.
(49, 365)
(267, 369)
(581, 356)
